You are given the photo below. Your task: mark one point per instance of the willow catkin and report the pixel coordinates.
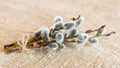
(58, 19)
(53, 46)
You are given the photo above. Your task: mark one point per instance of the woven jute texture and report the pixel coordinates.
(18, 17)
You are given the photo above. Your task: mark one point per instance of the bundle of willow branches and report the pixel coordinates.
(54, 38)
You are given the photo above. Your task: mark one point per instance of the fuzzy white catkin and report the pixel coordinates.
(69, 25)
(94, 40)
(61, 47)
(101, 32)
(59, 37)
(81, 42)
(58, 31)
(53, 46)
(83, 36)
(79, 21)
(73, 32)
(82, 39)
(44, 30)
(58, 18)
(58, 24)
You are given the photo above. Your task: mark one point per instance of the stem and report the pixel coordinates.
(108, 34)
(12, 47)
(98, 29)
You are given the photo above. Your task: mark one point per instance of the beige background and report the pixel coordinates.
(25, 16)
